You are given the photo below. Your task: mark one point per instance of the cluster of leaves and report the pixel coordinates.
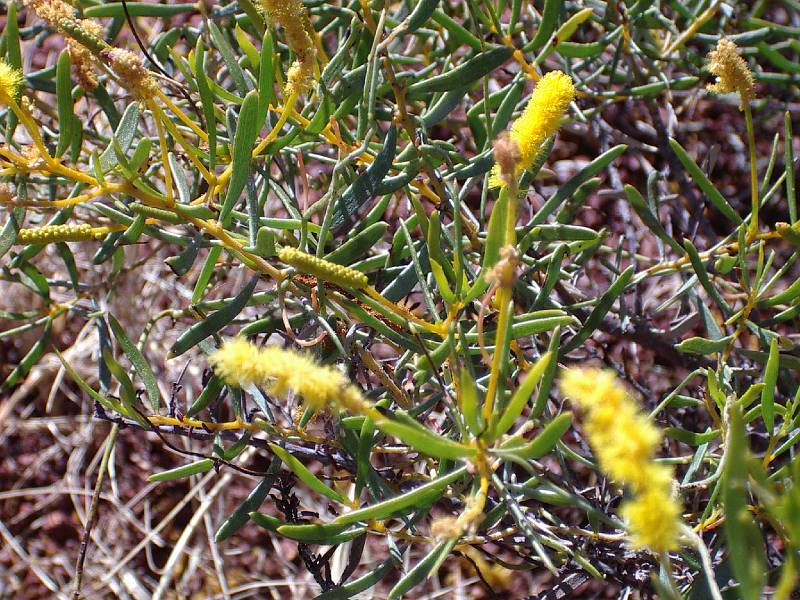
(382, 167)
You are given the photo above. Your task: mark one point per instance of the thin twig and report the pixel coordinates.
(111, 439)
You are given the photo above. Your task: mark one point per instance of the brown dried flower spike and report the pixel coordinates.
(507, 156)
(82, 58)
(131, 71)
(733, 74)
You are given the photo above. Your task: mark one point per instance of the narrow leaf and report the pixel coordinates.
(138, 361)
(305, 475)
(521, 395)
(209, 326)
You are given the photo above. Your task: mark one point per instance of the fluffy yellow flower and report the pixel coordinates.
(625, 441)
(653, 516)
(733, 74)
(539, 120)
(10, 82)
(293, 17)
(241, 363)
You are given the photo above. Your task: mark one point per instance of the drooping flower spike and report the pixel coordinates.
(624, 442)
(733, 74)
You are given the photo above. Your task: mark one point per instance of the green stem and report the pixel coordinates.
(505, 306)
(668, 579)
(751, 142)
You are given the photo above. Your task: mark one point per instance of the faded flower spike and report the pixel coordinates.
(625, 441)
(323, 269)
(10, 82)
(733, 74)
(52, 12)
(51, 234)
(293, 17)
(7, 193)
(279, 371)
(538, 121)
(61, 16)
(82, 58)
(506, 156)
(130, 70)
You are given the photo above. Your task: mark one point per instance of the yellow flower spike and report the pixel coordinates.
(733, 74)
(625, 442)
(241, 364)
(653, 516)
(538, 121)
(300, 37)
(10, 82)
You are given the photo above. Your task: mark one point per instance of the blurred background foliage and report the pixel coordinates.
(187, 163)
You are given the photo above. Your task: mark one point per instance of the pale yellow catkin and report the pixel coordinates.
(83, 62)
(323, 269)
(130, 70)
(51, 234)
(84, 41)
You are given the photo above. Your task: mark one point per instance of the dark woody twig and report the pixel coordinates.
(328, 456)
(92, 515)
